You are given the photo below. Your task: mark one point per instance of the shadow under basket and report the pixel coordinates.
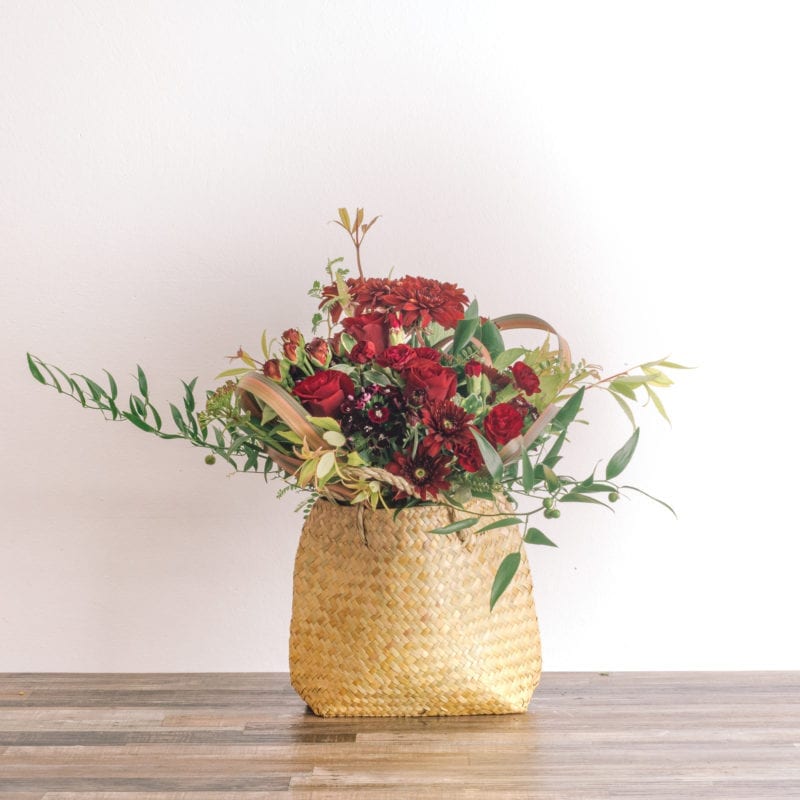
(390, 620)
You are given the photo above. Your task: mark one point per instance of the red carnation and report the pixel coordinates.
(362, 352)
(468, 454)
(473, 369)
(428, 353)
(396, 356)
(502, 424)
(525, 378)
(324, 392)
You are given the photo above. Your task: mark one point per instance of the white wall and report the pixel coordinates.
(628, 171)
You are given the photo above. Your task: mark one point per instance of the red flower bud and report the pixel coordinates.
(272, 369)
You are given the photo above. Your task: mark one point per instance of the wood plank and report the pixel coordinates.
(231, 736)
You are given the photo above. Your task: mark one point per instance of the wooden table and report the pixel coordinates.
(230, 736)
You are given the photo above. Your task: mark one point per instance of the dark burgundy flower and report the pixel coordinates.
(379, 414)
(525, 378)
(425, 472)
(447, 424)
(324, 392)
(432, 380)
(468, 454)
(420, 301)
(396, 356)
(502, 424)
(362, 352)
(368, 328)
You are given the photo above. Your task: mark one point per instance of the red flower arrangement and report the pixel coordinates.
(411, 397)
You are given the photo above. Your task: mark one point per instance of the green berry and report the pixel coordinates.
(554, 513)
(211, 459)
(547, 502)
(613, 497)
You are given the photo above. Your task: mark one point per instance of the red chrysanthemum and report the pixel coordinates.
(447, 425)
(368, 294)
(426, 473)
(420, 301)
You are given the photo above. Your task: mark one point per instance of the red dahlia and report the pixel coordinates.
(447, 425)
(426, 473)
(420, 301)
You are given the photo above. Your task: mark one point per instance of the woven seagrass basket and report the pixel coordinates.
(390, 620)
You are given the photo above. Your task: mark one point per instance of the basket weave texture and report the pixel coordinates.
(390, 620)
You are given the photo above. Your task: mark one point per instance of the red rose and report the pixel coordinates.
(430, 380)
(525, 378)
(318, 352)
(396, 356)
(502, 424)
(272, 369)
(362, 352)
(323, 392)
(368, 328)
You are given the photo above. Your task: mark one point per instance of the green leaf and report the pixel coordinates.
(189, 401)
(472, 310)
(528, 475)
(177, 418)
(231, 373)
(458, 525)
(35, 370)
(137, 406)
(641, 491)
(658, 404)
(465, 330)
(506, 522)
(672, 365)
(624, 406)
(335, 438)
(598, 488)
(489, 335)
(568, 412)
(621, 458)
(508, 357)
(139, 423)
(112, 385)
(505, 573)
(622, 388)
(553, 452)
(325, 423)
(345, 218)
(156, 417)
(95, 389)
(535, 536)
(142, 381)
(550, 478)
(577, 497)
(490, 456)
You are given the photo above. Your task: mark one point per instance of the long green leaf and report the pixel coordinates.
(490, 456)
(622, 457)
(567, 413)
(641, 491)
(458, 525)
(505, 574)
(35, 370)
(139, 423)
(112, 385)
(577, 497)
(465, 330)
(506, 522)
(528, 475)
(142, 381)
(623, 404)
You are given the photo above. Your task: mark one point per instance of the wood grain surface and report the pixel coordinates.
(587, 736)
